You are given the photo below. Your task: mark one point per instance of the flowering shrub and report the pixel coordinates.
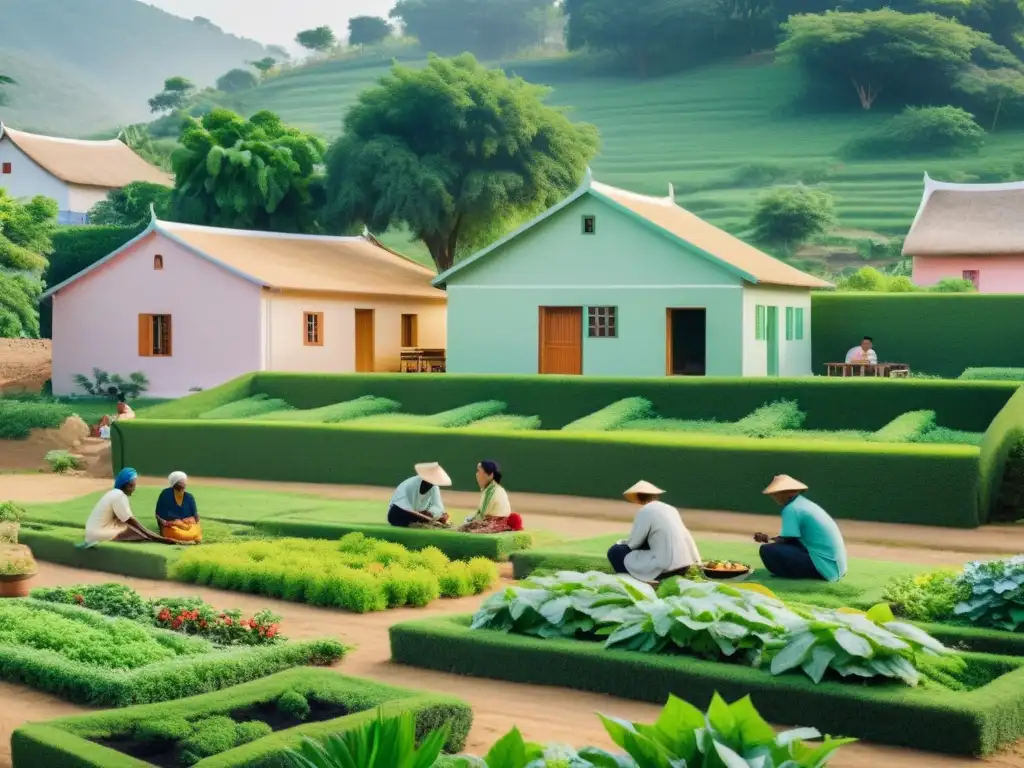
(926, 597)
(993, 593)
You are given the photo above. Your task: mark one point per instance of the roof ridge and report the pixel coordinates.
(666, 201)
(259, 233)
(13, 132)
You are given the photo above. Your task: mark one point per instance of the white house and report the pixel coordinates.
(74, 172)
(194, 306)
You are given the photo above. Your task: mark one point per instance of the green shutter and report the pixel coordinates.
(799, 323)
(789, 323)
(759, 334)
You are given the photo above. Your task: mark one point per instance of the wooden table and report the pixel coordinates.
(879, 370)
(416, 360)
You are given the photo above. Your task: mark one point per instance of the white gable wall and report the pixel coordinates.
(794, 354)
(28, 179)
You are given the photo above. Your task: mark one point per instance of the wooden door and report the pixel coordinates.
(561, 340)
(364, 341)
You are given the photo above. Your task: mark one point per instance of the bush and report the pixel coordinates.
(993, 594)
(788, 216)
(922, 131)
(926, 597)
(293, 704)
(993, 374)
(503, 423)
(338, 412)
(614, 416)
(115, 600)
(61, 462)
(456, 417)
(18, 417)
(906, 428)
(249, 407)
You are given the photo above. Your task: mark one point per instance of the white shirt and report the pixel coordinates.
(857, 355)
(104, 432)
(670, 545)
(109, 517)
(407, 496)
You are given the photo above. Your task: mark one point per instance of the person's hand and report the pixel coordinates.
(761, 538)
(443, 518)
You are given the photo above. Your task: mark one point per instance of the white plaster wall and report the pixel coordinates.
(82, 199)
(27, 179)
(795, 355)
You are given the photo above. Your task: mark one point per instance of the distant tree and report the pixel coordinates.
(487, 28)
(237, 80)
(248, 174)
(319, 40)
(914, 57)
(140, 141)
(453, 152)
(993, 90)
(789, 216)
(921, 131)
(176, 93)
(264, 66)
(131, 205)
(279, 52)
(367, 30)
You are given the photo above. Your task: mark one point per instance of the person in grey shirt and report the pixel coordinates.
(418, 499)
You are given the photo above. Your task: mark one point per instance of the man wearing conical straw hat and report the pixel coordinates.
(659, 545)
(810, 545)
(418, 499)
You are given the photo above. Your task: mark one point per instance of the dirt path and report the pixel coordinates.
(542, 713)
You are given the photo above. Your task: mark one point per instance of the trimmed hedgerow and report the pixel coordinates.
(256, 405)
(1001, 464)
(456, 417)
(614, 416)
(974, 722)
(359, 408)
(906, 428)
(57, 545)
(72, 741)
(454, 544)
(503, 423)
(993, 374)
(193, 405)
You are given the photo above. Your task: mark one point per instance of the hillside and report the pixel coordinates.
(85, 65)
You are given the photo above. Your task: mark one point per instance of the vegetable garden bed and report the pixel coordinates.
(249, 725)
(971, 722)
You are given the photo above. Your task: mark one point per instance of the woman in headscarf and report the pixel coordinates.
(494, 515)
(112, 519)
(176, 511)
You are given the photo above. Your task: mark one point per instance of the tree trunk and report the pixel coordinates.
(443, 257)
(995, 117)
(866, 93)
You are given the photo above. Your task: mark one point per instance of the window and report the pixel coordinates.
(759, 323)
(158, 262)
(6, 168)
(973, 275)
(602, 322)
(313, 329)
(154, 336)
(799, 324)
(410, 330)
(589, 224)
(789, 323)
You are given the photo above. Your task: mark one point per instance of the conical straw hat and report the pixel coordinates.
(432, 472)
(642, 487)
(783, 484)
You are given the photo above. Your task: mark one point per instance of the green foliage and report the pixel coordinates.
(994, 594)
(359, 573)
(791, 215)
(318, 40)
(996, 91)
(503, 423)
(293, 704)
(614, 416)
(367, 405)
(770, 420)
(368, 30)
(132, 206)
(924, 597)
(869, 279)
(492, 29)
(19, 297)
(75, 248)
(237, 80)
(61, 462)
(248, 174)
(906, 428)
(175, 95)
(26, 231)
(113, 386)
(455, 185)
(11, 512)
(922, 131)
(256, 405)
(114, 600)
(264, 66)
(19, 417)
(456, 417)
(993, 374)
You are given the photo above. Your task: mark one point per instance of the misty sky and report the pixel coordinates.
(278, 22)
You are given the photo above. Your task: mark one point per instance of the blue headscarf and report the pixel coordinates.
(124, 477)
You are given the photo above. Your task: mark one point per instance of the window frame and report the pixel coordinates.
(7, 168)
(158, 261)
(317, 339)
(413, 340)
(148, 333)
(603, 317)
(592, 219)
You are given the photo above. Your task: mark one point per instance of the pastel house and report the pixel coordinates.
(74, 172)
(193, 306)
(969, 231)
(612, 283)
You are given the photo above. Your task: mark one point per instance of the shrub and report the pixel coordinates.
(336, 413)
(456, 417)
(614, 416)
(293, 704)
(504, 423)
(243, 409)
(11, 512)
(113, 386)
(770, 419)
(788, 216)
(385, 742)
(170, 729)
(905, 428)
(210, 736)
(926, 597)
(922, 131)
(1009, 504)
(19, 417)
(61, 462)
(993, 593)
(993, 374)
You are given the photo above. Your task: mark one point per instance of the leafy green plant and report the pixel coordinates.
(293, 704)
(926, 597)
(216, 734)
(11, 512)
(61, 462)
(335, 413)
(19, 416)
(994, 595)
(114, 386)
(249, 407)
(614, 416)
(922, 130)
(905, 428)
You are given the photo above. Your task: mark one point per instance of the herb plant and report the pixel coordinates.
(926, 597)
(993, 594)
(61, 462)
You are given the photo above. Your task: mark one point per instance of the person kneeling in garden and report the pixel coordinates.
(176, 511)
(659, 545)
(418, 499)
(810, 545)
(112, 519)
(495, 513)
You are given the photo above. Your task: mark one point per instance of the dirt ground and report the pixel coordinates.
(24, 365)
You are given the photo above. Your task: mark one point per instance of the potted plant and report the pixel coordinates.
(11, 516)
(17, 567)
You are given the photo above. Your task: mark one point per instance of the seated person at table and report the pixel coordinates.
(494, 514)
(863, 353)
(112, 519)
(176, 511)
(659, 545)
(418, 499)
(810, 545)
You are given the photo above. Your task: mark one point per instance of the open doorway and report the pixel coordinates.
(686, 342)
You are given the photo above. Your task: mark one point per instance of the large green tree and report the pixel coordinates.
(452, 151)
(487, 28)
(132, 205)
(248, 174)
(789, 216)
(176, 93)
(319, 40)
(237, 80)
(368, 30)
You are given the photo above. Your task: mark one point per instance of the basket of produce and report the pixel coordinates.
(725, 569)
(17, 567)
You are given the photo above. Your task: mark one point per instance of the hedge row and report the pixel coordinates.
(456, 545)
(57, 545)
(968, 723)
(830, 403)
(1001, 487)
(925, 484)
(66, 742)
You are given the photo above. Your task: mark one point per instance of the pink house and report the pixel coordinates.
(969, 231)
(192, 307)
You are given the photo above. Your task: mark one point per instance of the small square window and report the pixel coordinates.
(589, 225)
(602, 322)
(6, 168)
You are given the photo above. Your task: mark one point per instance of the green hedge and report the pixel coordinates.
(456, 545)
(66, 743)
(57, 545)
(999, 488)
(932, 332)
(924, 484)
(832, 404)
(993, 374)
(968, 723)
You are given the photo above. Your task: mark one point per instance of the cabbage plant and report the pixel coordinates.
(995, 593)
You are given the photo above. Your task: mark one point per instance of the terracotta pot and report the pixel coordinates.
(16, 586)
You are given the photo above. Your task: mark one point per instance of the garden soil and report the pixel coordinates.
(24, 365)
(542, 713)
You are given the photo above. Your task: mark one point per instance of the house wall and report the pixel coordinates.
(285, 331)
(215, 320)
(82, 199)
(28, 179)
(794, 354)
(997, 274)
(493, 306)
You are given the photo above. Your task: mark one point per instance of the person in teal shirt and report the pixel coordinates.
(810, 545)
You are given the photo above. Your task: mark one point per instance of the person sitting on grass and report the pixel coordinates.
(659, 545)
(494, 514)
(418, 499)
(112, 519)
(810, 544)
(176, 511)
(124, 411)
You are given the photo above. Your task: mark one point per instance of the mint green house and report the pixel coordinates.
(612, 283)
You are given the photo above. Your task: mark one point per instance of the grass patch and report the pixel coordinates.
(614, 416)
(504, 422)
(951, 437)
(249, 407)
(906, 428)
(359, 408)
(455, 417)
(993, 374)
(770, 420)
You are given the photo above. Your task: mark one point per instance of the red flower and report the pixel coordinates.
(202, 624)
(227, 620)
(176, 623)
(79, 599)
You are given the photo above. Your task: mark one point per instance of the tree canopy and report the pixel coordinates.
(237, 80)
(176, 93)
(26, 229)
(264, 66)
(789, 216)
(453, 152)
(319, 40)
(248, 174)
(131, 205)
(487, 28)
(368, 30)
